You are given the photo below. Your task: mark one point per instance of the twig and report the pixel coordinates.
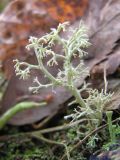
(45, 121)
(105, 80)
(43, 131)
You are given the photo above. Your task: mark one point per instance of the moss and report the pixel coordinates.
(25, 150)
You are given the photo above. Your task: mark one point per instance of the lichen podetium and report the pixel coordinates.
(73, 47)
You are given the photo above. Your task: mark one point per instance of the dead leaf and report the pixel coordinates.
(23, 18)
(107, 35)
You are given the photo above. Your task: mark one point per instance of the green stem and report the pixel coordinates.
(17, 108)
(110, 126)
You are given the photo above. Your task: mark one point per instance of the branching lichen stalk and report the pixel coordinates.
(90, 108)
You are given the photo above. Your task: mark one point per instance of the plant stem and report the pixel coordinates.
(110, 126)
(17, 108)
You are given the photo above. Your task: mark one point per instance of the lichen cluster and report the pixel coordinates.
(91, 108)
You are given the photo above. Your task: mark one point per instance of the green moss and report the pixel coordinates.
(25, 150)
